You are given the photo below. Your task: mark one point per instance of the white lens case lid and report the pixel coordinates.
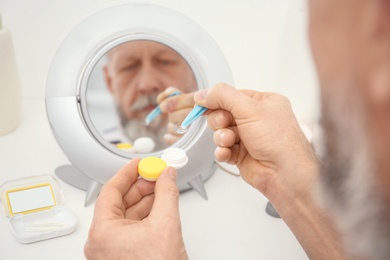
(143, 145)
(175, 157)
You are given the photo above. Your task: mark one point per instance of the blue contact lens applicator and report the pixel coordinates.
(157, 111)
(195, 113)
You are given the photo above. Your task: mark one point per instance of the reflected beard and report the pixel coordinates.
(136, 128)
(141, 103)
(347, 178)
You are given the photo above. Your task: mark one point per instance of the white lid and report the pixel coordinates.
(143, 145)
(175, 157)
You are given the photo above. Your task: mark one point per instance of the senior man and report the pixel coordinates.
(259, 133)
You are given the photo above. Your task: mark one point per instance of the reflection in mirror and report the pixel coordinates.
(123, 87)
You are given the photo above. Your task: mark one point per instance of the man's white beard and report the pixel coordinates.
(135, 128)
(156, 130)
(347, 180)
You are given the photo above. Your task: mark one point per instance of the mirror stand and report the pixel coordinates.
(271, 210)
(198, 183)
(74, 177)
(94, 157)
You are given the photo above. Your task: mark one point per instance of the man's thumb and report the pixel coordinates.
(220, 96)
(166, 200)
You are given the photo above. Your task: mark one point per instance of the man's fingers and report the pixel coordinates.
(178, 116)
(141, 209)
(226, 137)
(166, 201)
(227, 154)
(221, 96)
(122, 191)
(140, 189)
(222, 154)
(166, 93)
(217, 119)
(179, 102)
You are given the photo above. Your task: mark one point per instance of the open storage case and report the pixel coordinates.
(35, 209)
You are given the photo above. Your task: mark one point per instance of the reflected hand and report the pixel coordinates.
(132, 222)
(177, 108)
(259, 133)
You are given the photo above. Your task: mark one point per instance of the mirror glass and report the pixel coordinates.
(123, 86)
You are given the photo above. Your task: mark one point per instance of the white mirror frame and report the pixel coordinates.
(193, 132)
(77, 55)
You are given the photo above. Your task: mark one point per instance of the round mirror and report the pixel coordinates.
(104, 80)
(121, 89)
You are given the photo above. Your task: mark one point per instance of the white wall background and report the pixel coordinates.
(265, 41)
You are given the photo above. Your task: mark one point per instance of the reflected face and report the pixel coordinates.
(137, 71)
(349, 41)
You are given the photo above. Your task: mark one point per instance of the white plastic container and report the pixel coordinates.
(35, 209)
(10, 89)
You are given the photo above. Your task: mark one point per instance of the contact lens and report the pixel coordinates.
(179, 129)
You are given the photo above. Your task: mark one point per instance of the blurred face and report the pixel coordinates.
(350, 42)
(137, 71)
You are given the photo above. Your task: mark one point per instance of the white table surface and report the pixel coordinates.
(231, 224)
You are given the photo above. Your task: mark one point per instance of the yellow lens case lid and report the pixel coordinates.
(150, 168)
(124, 146)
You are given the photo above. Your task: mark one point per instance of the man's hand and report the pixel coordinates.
(137, 219)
